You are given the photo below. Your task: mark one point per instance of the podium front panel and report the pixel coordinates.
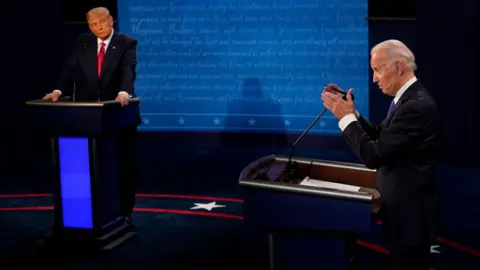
(293, 210)
(75, 182)
(86, 170)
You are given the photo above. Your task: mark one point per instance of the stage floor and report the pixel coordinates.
(180, 231)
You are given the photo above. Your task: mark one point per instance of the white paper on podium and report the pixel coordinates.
(324, 184)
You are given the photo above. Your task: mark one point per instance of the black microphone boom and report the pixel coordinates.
(291, 169)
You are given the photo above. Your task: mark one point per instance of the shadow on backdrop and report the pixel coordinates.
(254, 113)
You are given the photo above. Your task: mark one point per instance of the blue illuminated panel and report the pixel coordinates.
(75, 182)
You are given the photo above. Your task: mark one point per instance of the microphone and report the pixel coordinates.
(76, 72)
(291, 169)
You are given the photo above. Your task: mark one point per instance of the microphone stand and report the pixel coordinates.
(291, 170)
(75, 81)
(76, 73)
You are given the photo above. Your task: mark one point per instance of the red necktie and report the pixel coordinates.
(100, 56)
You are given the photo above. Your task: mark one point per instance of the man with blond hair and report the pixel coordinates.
(403, 149)
(102, 67)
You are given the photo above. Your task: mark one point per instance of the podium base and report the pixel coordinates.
(55, 241)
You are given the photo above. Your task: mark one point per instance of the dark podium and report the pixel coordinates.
(309, 221)
(83, 141)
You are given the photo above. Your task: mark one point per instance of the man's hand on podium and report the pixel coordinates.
(53, 96)
(374, 192)
(123, 98)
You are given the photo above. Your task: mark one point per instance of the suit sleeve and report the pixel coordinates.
(404, 131)
(128, 67)
(372, 130)
(65, 79)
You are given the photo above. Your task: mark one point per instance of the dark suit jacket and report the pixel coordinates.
(404, 150)
(118, 69)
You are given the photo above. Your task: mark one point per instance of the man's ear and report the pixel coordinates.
(400, 67)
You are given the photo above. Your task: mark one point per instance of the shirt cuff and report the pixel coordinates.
(124, 94)
(346, 120)
(357, 114)
(57, 91)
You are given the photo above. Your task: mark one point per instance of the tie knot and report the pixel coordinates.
(102, 44)
(392, 105)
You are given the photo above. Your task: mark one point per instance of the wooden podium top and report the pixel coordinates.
(267, 172)
(41, 102)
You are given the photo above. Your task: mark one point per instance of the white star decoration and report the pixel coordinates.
(433, 249)
(207, 206)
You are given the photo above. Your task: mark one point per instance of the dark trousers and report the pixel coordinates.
(127, 164)
(402, 257)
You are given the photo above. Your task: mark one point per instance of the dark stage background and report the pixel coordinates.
(442, 34)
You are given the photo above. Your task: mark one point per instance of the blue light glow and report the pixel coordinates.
(75, 179)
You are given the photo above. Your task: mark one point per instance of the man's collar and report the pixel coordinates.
(404, 88)
(106, 41)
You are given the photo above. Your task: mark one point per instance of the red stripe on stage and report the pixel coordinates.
(371, 246)
(26, 208)
(187, 212)
(31, 195)
(140, 195)
(375, 247)
(137, 209)
(459, 246)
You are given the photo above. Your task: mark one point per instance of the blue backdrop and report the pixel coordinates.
(244, 65)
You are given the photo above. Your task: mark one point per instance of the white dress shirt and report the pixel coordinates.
(349, 118)
(107, 42)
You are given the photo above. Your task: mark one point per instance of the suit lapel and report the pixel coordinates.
(111, 50)
(408, 93)
(91, 57)
(389, 118)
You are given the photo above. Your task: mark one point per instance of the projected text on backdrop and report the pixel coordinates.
(245, 65)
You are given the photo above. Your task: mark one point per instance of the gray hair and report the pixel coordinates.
(398, 51)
